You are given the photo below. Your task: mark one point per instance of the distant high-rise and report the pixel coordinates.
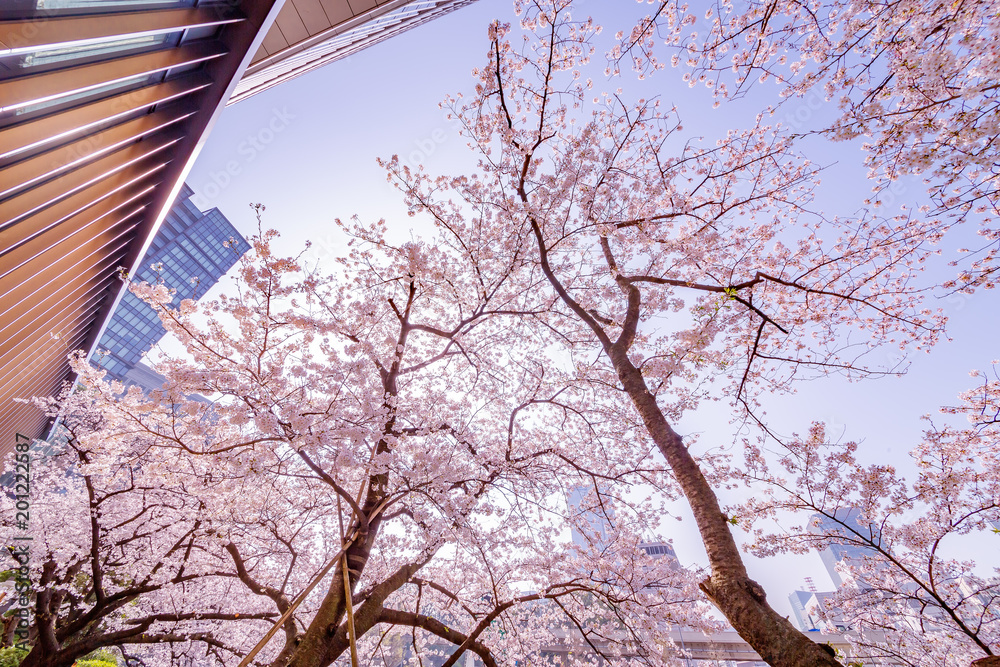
(848, 524)
(661, 550)
(593, 524)
(597, 515)
(190, 253)
(813, 611)
(799, 600)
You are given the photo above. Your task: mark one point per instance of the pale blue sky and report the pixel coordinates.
(307, 149)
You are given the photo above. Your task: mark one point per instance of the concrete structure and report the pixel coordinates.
(725, 647)
(721, 648)
(810, 608)
(189, 254)
(103, 109)
(798, 600)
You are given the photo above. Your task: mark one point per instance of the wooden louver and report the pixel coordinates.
(102, 110)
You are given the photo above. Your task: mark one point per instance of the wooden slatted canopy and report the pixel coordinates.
(102, 111)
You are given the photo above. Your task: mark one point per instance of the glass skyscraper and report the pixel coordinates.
(190, 253)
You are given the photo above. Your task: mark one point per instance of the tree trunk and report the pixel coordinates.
(729, 587)
(313, 650)
(989, 661)
(39, 658)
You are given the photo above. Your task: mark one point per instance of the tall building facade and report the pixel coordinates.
(592, 524)
(813, 611)
(312, 33)
(798, 601)
(190, 253)
(660, 549)
(593, 517)
(846, 522)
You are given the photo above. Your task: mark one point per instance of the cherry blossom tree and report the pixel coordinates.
(909, 597)
(597, 277)
(675, 272)
(375, 432)
(919, 82)
(119, 559)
